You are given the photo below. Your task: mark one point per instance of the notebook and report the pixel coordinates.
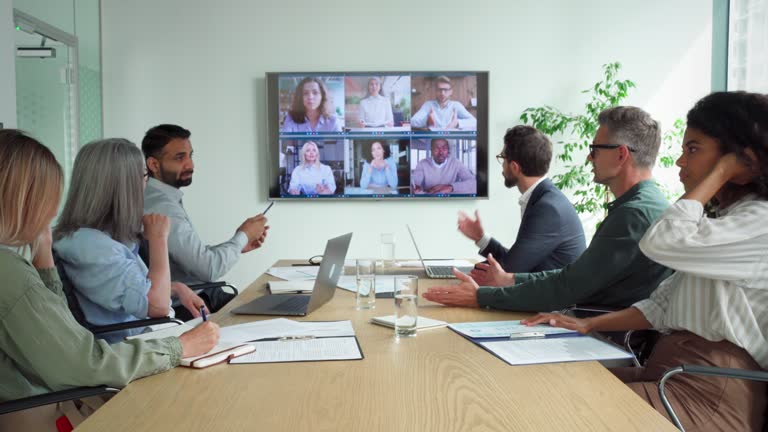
(422, 323)
(221, 353)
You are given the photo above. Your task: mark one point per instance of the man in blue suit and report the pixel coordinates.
(550, 234)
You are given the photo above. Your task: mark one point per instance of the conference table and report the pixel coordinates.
(436, 381)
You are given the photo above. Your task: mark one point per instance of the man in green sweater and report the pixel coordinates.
(612, 271)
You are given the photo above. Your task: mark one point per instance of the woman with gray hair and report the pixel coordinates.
(98, 234)
(42, 348)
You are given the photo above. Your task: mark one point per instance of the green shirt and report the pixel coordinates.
(612, 271)
(43, 348)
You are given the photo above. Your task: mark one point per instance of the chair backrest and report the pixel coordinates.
(69, 292)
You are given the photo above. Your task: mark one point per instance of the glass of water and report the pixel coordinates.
(406, 305)
(365, 273)
(387, 246)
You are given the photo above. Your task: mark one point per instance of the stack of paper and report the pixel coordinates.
(554, 350)
(281, 327)
(294, 273)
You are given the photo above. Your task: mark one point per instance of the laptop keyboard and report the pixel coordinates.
(442, 271)
(295, 303)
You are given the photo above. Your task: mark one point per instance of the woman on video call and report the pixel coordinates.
(381, 170)
(375, 109)
(311, 109)
(311, 177)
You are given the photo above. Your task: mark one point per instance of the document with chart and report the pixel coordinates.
(554, 350)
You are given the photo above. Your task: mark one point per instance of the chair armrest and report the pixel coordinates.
(54, 397)
(707, 371)
(206, 285)
(132, 324)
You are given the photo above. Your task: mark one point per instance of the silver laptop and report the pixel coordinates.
(436, 271)
(328, 275)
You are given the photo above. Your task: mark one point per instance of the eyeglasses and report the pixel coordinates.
(500, 158)
(146, 174)
(593, 147)
(443, 89)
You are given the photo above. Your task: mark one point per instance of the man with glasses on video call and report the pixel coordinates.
(443, 113)
(612, 271)
(550, 234)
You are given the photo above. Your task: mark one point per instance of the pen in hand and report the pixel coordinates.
(202, 312)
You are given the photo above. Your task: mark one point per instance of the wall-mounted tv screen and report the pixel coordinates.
(377, 135)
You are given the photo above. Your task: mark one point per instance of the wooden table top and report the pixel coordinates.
(437, 381)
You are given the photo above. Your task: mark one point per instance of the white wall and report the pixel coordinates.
(201, 64)
(7, 69)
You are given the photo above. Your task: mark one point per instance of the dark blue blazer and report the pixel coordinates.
(550, 235)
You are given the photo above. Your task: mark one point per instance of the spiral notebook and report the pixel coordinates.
(221, 353)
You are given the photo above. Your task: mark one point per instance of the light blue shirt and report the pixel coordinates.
(324, 124)
(305, 178)
(379, 177)
(443, 115)
(109, 278)
(191, 260)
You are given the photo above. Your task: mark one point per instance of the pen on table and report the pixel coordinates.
(527, 335)
(202, 312)
(290, 338)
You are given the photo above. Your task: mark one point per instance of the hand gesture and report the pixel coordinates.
(322, 189)
(582, 326)
(417, 189)
(492, 274)
(254, 227)
(463, 294)
(379, 163)
(472, 228)
(191, 301)
(44, 255)
(454, 123)
(256, 243)
(431, 120)
(440, 189)
(199, 340)
(156, 226)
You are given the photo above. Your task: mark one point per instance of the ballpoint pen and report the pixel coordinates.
(527, 335)
(202, 312)
(290, 338)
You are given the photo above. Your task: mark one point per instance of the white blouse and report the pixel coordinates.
(720, 288)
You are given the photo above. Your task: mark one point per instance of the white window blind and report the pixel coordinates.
(748, 46)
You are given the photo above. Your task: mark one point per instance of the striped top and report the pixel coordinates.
(720, 289)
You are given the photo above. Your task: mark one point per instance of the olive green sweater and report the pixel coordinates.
(43, 348)
(611, 272)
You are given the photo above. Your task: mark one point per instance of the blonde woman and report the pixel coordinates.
(42, 348)
(311, 177)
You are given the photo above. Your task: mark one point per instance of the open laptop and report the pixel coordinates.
(328, 275)
(436, 271)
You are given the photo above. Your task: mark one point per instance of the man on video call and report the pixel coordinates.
(168, 153)
(443, 113)
(441, 173)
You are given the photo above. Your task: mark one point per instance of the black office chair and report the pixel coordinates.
(54, 397)
(77, 311)
(707, 371)
(210, 292)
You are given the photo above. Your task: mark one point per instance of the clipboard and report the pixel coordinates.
(269, 350)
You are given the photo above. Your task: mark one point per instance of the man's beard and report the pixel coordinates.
(170, 178)
(510, 182)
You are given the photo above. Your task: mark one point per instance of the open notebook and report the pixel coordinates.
(221, 353)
